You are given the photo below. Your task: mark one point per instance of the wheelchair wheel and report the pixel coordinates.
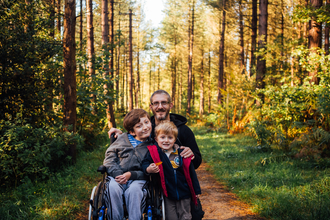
(90, 205)
(96, 202)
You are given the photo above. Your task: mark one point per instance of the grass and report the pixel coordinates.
(62, 196)
(276, 186)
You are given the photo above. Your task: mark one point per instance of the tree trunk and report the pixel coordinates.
(261, 63)
(326, 35)
(210, 84)
(91, 52)
(315, 38)
(201, 94)
(69, 64)
(190, 58)
(59, 17)
(118, 63)
(241, 33)
(107, 86)
(137, 87)
(130, 80)
(221, 55)
(253, 35)
(81, 26)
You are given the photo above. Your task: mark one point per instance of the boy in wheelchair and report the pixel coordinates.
(123, 160)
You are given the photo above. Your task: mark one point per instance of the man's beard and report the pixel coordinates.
(161, 118)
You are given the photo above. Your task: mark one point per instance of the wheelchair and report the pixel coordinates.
(155, 206)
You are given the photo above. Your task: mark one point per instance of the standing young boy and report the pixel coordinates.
(178, 177)
(123, 160)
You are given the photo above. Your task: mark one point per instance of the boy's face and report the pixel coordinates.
(141, 130)
(165, 141)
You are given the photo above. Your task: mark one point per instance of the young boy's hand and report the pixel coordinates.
(122, 179)
(152, 168)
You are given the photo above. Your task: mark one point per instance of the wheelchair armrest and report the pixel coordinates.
(102, 169)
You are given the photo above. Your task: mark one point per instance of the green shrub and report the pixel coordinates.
(27, 152)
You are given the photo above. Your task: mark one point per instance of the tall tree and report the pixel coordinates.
(201, 87)
(59, 16)
(261, 63)
(241, 34)
(81, 26)
(91, 52)
(315, 38)
(69, 64)
(105, 44)
(221, 84)
(130, 78)
(326, 34)
(253, 34)
(190, 57)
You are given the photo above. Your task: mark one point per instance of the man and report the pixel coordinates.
(160, 105)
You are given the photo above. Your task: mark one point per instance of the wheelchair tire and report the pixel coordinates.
(97, 201)
(90, 206)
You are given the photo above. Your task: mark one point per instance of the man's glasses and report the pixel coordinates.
(156, 104)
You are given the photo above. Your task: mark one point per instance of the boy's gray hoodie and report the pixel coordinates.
(122, 157)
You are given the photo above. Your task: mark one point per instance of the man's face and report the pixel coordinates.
(161, 107)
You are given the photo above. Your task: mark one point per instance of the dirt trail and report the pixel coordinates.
(217, 202)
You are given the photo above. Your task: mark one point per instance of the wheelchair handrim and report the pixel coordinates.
(90, 206)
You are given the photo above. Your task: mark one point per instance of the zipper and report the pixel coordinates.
(176, 185)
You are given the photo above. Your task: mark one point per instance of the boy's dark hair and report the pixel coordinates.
(166, 127)
(133, 117)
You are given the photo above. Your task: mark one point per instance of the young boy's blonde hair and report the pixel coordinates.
(166, 127)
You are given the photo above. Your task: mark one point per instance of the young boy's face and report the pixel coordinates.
(141, 130)
(165, 141)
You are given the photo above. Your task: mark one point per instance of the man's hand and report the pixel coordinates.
(152, 168)
(187, 152)
(122, 179)
(114, 130)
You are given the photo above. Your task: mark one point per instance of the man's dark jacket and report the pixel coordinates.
(185, 137)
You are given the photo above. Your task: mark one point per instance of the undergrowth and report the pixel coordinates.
(62, 196)
(276, 185)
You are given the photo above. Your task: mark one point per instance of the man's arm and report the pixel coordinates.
(187, 139)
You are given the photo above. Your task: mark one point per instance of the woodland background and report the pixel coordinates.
(71, 69)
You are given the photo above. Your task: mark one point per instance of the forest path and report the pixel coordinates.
(219, 203)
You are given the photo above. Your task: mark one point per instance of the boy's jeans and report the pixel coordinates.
(135, 194)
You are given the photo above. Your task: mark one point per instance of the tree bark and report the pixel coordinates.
(130, 80)
(69, 64)
(59, 17)
(137, 88)
(315, 38)
(190, 58)
(261, 63)
(241, 33)
(326, 35)
(221, 55)
(253, 35)
(91, 52)
(81, 26)
(107, 86)
(210, 84)
(201, 93)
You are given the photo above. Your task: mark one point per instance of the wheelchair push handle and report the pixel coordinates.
(112, 138)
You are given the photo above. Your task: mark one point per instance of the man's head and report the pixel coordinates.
(160, 105)
(165, 134)
(137, 123)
